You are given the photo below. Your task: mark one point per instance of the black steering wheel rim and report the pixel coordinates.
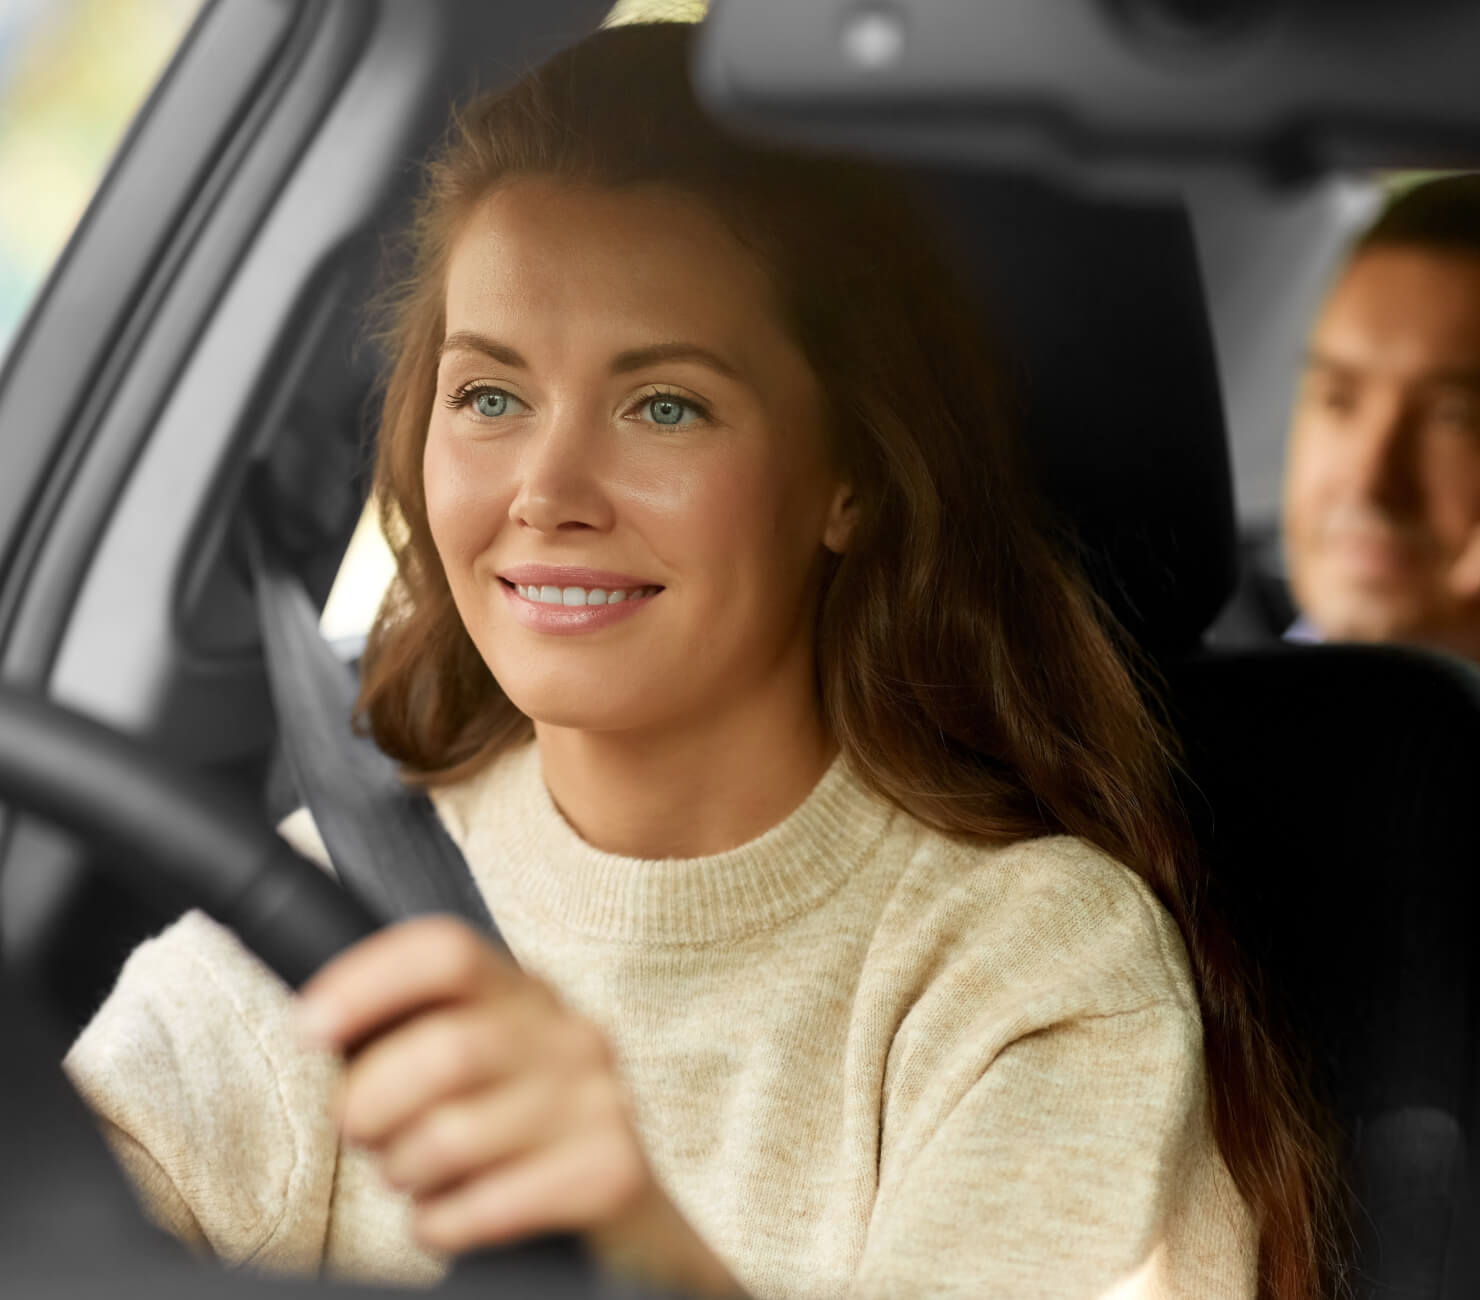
(179, 837)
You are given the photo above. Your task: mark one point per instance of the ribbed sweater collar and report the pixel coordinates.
(518, 842)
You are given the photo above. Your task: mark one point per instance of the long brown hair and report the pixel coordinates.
(964, 666)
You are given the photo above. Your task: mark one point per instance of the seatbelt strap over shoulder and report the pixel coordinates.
(385, 840)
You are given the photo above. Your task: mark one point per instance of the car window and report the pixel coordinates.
(363, 576)
(72, 75)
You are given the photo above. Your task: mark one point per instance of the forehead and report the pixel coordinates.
(645, 262)
(1404, 310)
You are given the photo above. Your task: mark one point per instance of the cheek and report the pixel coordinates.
(1453, 491)
(1308, 481)
(751, 516)
(461, 499)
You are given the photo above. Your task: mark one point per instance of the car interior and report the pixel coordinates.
(198, 366)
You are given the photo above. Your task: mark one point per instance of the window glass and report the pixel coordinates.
(363, 577)
(72, 75)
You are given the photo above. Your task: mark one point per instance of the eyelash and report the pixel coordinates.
(701, 412)
(463, 396)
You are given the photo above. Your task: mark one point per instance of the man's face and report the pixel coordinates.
(1382, 485)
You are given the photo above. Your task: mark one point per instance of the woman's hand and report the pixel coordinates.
(496, 1108)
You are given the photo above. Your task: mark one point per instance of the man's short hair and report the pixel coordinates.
(1440, 215)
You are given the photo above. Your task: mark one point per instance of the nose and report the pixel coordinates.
(559, 480)
(1384, 459)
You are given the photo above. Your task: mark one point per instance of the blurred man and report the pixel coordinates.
(1382, 486)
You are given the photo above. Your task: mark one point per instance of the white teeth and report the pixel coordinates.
(577, 596)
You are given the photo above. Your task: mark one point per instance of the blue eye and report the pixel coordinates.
(488, 402)
(494, 402)
(665, 409)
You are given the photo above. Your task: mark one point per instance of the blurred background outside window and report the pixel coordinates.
(72, 75)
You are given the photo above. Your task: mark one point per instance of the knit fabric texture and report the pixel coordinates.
(867, 1060)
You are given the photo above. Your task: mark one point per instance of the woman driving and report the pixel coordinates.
(860, 951)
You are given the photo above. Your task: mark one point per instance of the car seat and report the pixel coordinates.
(1332, 787)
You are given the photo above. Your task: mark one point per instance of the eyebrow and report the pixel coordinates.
(639, 358)
(623, 363)
(1466, 378)
(1313, 360)
(472, 341)
(1451, 376)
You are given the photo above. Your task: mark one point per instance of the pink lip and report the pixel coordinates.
(548, 575)
(571, 620)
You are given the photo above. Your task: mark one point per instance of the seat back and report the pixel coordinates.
(1332, 788)
(1333, 791)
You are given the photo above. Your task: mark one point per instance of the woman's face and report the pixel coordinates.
(625, 467)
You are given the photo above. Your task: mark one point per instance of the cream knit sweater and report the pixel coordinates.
(867, 1060)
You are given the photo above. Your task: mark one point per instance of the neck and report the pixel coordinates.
(685, 791)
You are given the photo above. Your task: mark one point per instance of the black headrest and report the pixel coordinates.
(1101, 307)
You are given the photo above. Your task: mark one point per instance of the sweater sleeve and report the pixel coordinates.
(219, 1117)
(1078, 1165)
(1057, 1142)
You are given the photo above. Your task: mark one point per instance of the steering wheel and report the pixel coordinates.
(174, 835)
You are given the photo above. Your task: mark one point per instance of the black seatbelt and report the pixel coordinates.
(385, 840)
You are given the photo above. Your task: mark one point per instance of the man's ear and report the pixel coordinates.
(842, 515)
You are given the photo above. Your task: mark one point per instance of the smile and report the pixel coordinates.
(578, 596)
(571, 611)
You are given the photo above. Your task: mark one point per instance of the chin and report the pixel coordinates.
(1366, 619)
(579, 706)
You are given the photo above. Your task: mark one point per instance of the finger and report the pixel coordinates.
(432, 1057)
(470, 1134)
(394, 972)
(582, 1182)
